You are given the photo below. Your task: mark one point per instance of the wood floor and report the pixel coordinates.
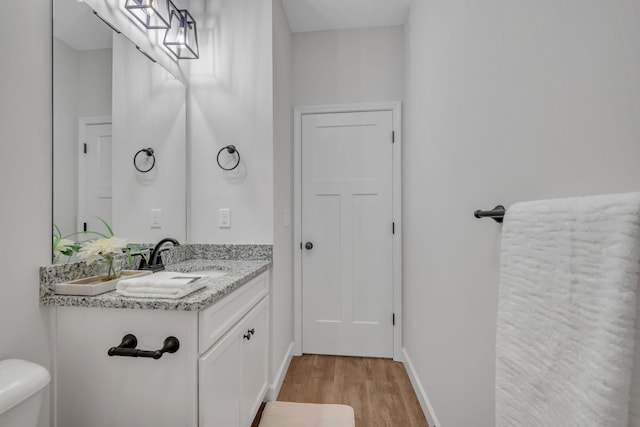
(379, 390)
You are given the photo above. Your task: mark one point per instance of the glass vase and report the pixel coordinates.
(110, 267)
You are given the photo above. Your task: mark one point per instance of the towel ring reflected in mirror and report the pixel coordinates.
(150, 158)
(233, 153)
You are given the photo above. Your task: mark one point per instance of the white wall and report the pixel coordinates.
(282, 286)
(149, 110)
(506, 101)
(148, 40)
(25, 181)
(82, 88)
(348, 66)
(231, 102)
(94, 81)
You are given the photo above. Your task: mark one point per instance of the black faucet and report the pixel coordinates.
(155, 259)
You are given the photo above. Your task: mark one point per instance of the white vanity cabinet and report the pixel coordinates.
(217, 378)
(233, 373)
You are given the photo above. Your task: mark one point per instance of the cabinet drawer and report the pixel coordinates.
(217, 319)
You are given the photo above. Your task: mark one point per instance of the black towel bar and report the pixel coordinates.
(128, 348)
(497, 213)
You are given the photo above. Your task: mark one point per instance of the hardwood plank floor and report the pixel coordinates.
(379, 390)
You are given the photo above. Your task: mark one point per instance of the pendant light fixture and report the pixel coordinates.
(181, 37)
(153, 14)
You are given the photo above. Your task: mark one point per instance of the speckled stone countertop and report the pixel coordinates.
(241, 262)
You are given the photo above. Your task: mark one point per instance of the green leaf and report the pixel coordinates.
(106, 224)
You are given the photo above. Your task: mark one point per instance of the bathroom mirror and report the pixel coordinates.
(112, 104)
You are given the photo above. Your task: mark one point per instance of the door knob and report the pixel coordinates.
(308, 245)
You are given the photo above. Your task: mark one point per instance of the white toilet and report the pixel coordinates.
(21, 385)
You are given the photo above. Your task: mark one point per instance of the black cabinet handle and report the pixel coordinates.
(127, 348)
(308, 246)
(249, 333)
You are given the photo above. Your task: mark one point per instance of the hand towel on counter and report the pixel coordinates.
(567, 303)
(165, 284)
(634, 402)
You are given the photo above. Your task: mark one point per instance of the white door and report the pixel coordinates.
(94, 199)
(347, 233)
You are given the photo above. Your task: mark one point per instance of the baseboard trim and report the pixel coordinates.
(274, 388)
(425, 403)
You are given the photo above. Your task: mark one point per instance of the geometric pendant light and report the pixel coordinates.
(181, 37)
(153, 14)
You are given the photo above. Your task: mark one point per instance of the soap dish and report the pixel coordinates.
(90, 286)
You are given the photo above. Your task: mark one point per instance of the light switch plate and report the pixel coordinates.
(156, 218)
(224, 218)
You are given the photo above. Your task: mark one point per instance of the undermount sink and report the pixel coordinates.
(210, 273)
(203, 267)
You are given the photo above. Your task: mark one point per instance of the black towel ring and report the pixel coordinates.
(149, 152)
(231, 149)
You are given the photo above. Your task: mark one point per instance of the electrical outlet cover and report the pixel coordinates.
(224, 218)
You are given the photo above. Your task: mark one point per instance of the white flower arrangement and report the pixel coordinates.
(103, 248)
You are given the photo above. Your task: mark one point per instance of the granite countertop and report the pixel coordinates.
(188, 258)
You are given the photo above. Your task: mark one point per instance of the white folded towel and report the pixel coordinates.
(634, 402)
(567, 303)
(164, 284)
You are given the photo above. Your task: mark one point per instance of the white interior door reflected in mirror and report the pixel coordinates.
(95, 177)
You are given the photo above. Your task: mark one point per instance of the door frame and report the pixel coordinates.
(299, 111)
(83, 123)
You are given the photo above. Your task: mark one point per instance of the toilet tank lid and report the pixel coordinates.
(19, 380)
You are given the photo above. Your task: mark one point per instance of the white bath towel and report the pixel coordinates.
(565, 335)
(165, 284)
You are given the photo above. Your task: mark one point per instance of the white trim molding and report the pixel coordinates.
(396, 108)
(425, 403)
(276, 385)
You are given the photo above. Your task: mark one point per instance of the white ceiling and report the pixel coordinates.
(75, 24)
(324, 15)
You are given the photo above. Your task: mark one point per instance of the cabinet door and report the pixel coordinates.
(254, 359)
(95, 390)
(219, 383)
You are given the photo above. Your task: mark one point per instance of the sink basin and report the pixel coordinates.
(210, 273)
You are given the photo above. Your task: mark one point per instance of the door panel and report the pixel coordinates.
(95, 199)
(219, 384)
(254, 359)
(347, 213)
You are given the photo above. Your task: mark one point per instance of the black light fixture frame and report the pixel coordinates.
(187, 22)
(137, 7)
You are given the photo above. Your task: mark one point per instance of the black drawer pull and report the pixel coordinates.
(127, 348)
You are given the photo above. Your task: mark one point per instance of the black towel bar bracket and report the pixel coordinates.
(497, 213)
(127, 348)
